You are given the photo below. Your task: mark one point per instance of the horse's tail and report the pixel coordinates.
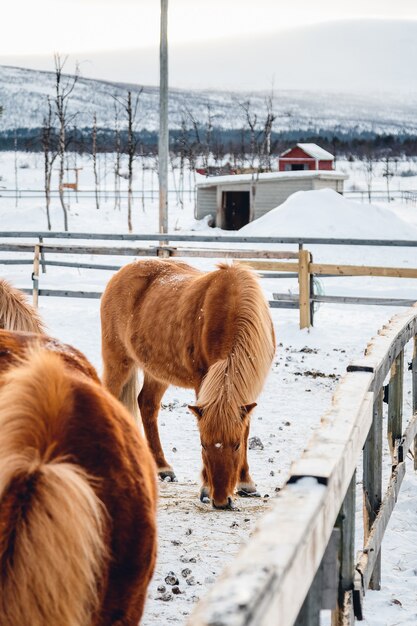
(52, 524)
(129, 394)
(15, 311)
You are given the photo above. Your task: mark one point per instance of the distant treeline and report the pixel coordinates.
(219, 142)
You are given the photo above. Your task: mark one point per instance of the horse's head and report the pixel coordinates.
(223, 452)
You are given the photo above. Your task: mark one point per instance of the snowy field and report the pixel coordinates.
(195, 542)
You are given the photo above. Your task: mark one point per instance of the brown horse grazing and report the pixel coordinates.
(77, 493)
(208, 331)
(15, 311)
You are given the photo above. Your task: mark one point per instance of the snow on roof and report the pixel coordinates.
(327, 214)
(313, 150)
(209, 181)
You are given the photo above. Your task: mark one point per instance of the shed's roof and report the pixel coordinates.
(213, 181)
(313, 150)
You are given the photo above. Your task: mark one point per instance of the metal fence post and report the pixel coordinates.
(35, 276)
(42, 256)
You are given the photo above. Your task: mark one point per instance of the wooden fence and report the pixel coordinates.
(300, 558)
(306, 270)
(298, 264)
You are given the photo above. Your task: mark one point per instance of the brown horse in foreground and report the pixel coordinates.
(211, 332)
(77, 492)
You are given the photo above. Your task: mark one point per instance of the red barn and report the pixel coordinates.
(305, 156)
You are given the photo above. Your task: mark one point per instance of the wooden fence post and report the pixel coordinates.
(304, 258)
(35, 276)
(309, 614)
(414, 393)
(395, 403)
(343, 614)
(324, 589)
(372, 481)
(311, 276)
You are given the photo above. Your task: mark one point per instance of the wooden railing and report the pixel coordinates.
(39, 251)
(280, 263)
(307, 270)
(300, 558)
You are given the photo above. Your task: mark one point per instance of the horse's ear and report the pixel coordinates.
(246, 409)
(198, 411)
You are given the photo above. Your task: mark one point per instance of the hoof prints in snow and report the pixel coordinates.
(195, 542)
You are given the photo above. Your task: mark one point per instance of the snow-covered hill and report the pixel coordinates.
(23, 95)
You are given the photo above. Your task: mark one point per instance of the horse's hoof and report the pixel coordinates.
(248, 493)
(168, 476)
(230, 506)
(204, 495)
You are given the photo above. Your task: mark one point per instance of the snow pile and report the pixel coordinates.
(326, 213)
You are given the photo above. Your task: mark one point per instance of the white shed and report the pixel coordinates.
(236, 200)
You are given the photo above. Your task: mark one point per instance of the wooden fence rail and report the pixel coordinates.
(298, 264)
(300, 241)
(284, 574)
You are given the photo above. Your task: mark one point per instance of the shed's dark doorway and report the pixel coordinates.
(236, 209)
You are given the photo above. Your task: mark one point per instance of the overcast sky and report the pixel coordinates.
(74, 26)
(91, 30)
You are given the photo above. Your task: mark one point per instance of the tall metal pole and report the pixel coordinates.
(163, 146)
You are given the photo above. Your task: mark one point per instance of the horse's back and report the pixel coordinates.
(15, 345)
(174, 320)
(135, 282)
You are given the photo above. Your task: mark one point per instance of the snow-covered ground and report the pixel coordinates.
(196, 542)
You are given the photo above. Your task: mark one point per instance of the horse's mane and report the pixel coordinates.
(15, 311)
(238, 379)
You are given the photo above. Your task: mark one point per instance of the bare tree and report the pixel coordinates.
(252, 122)
(63, 89)
(387, 171)
(265, 148)
(16, 182)
(368, 161)
(184, 150)
(50, 153)
(94, 155)
(208, 135)
(131, 108)
(189, 148)
(202, 145)
(117, 149)
(260, 136)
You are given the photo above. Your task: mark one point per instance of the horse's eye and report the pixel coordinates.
(236, 446)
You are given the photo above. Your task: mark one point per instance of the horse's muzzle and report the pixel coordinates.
(229, 506)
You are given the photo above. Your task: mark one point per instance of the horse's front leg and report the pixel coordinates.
(149, 403)
(246, 486)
